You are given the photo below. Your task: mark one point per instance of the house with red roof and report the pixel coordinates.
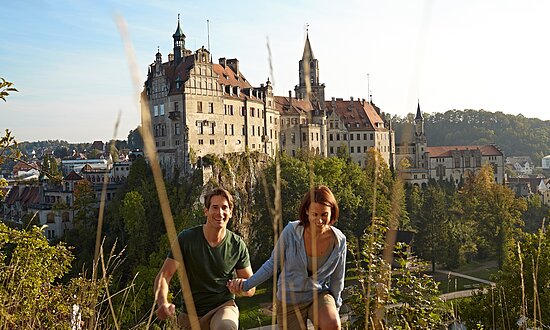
(417, 163)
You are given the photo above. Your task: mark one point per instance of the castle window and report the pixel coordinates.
(156, 110)
(201, 142)
(177, 129)
(210, 107)
(199, 106)
(161, 110)
(211, 141)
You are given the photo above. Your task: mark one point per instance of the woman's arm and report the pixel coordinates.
(337, 278)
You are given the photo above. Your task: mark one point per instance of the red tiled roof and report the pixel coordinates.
(226, 76)
(357, 114)
(24, 195)
(73, 176)
(446, 151)
(293, 107)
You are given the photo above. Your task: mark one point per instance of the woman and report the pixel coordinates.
(314, 256)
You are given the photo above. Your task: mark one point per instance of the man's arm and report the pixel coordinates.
(162, 284)
(245, 273)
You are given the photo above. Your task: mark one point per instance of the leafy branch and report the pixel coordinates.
(5, 87)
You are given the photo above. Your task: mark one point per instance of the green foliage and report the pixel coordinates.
(5, 88)
(30, 298)
(433, 224)
(521, 291)
(8, 147)
(477, 221)
(387, 297)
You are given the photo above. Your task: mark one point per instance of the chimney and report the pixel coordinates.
(290, 98)
(233, 64)
(223, 61)
(333, 103)
(351, 98)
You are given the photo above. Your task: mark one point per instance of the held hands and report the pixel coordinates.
(166, 310)
(235, 286)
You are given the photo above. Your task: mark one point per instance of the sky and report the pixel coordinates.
(68, 61)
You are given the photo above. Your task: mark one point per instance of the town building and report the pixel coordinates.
(199, 107)
(544, 190)
(417, 163)
(522, 165)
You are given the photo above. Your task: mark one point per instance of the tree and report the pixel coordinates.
(520, 297)
(495, 210)
(30, 295)
(432, 226)
(386, 297)
(133, 213)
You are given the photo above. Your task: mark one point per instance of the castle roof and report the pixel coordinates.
(447, 151)
(356, 114)
(287, 106)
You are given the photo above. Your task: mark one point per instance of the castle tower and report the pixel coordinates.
(420, 141)
(179, 43)
(308, 69)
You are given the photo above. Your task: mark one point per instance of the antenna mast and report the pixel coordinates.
(368, 88)
(208, 33)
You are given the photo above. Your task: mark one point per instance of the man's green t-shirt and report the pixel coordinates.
(209, 268)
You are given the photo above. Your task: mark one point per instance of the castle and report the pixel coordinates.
(199, 107)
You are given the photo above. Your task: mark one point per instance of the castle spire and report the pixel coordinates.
(418, 112)
(179, 43)
(308, 53)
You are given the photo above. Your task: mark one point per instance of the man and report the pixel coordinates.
(211, 253)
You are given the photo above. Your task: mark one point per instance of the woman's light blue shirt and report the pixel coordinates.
(298, 286)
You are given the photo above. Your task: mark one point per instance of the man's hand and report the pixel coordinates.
(235, 286)
(166, 310)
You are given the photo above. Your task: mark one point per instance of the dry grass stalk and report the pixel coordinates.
(151, 154)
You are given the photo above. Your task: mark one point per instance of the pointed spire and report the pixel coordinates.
(179, 31)
(418, 112)
(308, 53)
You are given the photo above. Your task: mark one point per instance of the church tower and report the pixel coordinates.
(308, 68)
(420, 140)
(179, 43)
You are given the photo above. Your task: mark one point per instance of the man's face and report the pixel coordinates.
(219, 213)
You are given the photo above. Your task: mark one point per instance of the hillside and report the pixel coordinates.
(516, 135)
